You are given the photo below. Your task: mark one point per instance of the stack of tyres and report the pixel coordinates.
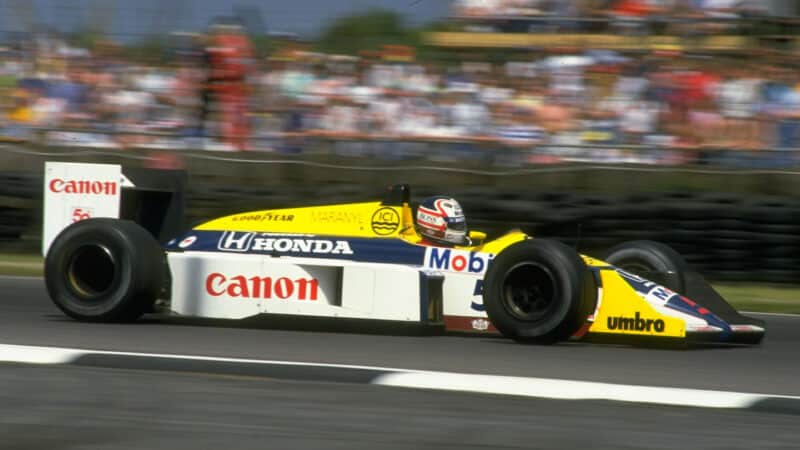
(729, 240)
(20, 197)
(776, 239)
(726, 237)
(723, 236)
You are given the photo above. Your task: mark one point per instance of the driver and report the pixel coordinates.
(441, 222)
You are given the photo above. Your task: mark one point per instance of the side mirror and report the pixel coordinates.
(477, 237)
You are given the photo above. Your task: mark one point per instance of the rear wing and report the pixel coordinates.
(155, 199)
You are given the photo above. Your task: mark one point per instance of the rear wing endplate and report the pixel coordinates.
(153, 198)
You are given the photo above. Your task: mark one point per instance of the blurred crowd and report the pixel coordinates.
(664, 16)
(656, 107)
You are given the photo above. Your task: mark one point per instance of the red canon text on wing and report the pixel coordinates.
(83, 187)
(281, 288)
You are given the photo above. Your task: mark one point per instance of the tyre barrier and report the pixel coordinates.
(724, 236)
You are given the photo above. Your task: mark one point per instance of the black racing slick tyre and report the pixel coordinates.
(539, 291)
(652, 260)
(104, 270)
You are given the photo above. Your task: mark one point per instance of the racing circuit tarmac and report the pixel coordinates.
(98, 407)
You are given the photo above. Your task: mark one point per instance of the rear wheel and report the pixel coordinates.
(539, 291)
(104, 270)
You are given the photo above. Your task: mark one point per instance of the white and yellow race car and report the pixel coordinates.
(104, 262)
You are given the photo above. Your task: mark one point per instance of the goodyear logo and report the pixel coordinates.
(385, 221)
(457, 260)
(264, 217)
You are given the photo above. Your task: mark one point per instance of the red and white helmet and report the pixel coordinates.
(441, 220)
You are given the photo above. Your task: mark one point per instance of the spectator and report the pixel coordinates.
(517, 132)
(631, 85)
(296, 82)
(342, 117)
(20, 116)
(630, 16)
(782, 107)
(738, 98)
(383, 113)
(230, 58)
(477, 8)
(467, 115)
(639, 119)
(722, 14)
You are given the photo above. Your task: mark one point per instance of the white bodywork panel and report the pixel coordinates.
(461, 289)
(217, 285)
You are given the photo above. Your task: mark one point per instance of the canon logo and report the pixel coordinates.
(83, 187)
(283, 288)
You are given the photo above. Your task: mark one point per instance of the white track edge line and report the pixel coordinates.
(572, 390)
(449, 381)
(38, 355)
(60, 355)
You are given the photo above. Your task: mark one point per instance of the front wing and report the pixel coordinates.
(632, 306)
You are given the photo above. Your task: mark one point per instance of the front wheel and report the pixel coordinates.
(539, 291)
(104, 270)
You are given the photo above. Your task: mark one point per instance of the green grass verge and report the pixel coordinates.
(761, 297)
(21, 265)
(743, 296)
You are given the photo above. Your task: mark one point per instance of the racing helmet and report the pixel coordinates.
(441, 220)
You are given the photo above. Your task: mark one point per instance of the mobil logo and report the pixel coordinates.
(457, 260)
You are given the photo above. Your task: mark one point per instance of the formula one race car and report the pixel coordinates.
(357, 261)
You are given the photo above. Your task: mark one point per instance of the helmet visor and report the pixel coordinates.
(456, 223)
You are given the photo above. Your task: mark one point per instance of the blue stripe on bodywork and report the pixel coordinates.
(679, 303)
(478, 291)
(375, 250)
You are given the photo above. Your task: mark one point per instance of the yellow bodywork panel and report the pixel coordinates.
(623, 311)
(497, 245)
(355, 220)
(365, 220)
